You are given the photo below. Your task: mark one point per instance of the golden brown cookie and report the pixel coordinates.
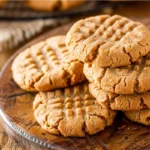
(52, 5)
(123, 80)
(120, 102)
(108, 41)
(46, 66)
(71, 112)
(141, 116)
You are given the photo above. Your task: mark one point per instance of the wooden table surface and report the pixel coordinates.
(132, 9)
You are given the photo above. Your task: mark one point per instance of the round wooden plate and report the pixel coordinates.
(16, 111)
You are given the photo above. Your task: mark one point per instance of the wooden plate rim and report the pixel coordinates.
(21, 131)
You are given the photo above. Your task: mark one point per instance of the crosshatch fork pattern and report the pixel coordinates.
(47, 65)
(111, 41)
(108, 138)
(45, 58)
(75, 100)
(43, 61)
(71, 111)
(109, 28)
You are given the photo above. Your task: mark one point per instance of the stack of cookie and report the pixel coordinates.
(65, 108)
(111, 52)
(116, 55)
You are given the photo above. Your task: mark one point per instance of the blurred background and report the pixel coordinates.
(22, 21)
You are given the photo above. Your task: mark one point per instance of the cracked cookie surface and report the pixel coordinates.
(71, 111)
(46, 66)
(123, 80)
(108, 41)
(53, 5)
(113, 101)
(141, 116)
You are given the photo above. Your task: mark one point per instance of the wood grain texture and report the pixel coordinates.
(16, 110)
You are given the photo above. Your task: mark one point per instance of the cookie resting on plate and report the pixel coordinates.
(129, 102)
(47, 65)
(108, 41)
(71, 111)
(122, 80)
(141, 116)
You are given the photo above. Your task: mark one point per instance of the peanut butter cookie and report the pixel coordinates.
(71, 111)
(46, 66)
(141, 116)
(123, 80)
(120, 102)
(108, 41)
